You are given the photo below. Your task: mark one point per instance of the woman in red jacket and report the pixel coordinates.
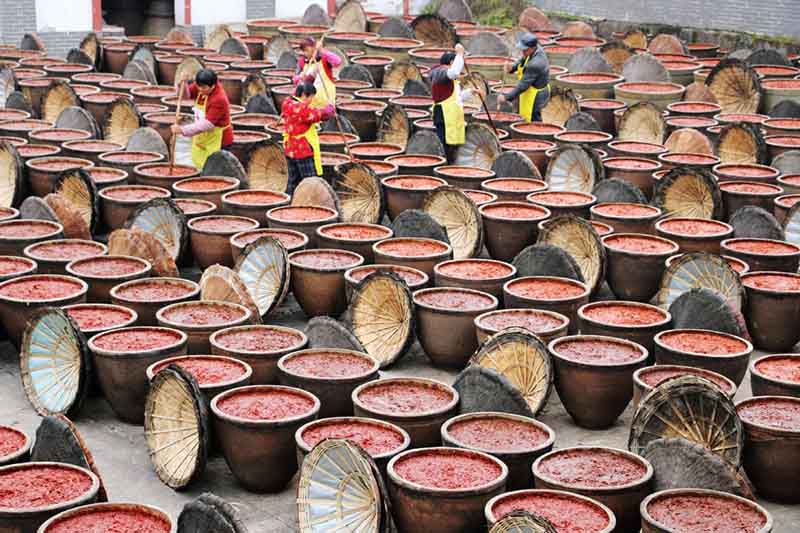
(211, 129)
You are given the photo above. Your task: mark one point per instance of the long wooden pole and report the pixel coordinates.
(483, 102)
(175, 135)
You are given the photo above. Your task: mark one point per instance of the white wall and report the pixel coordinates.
(63, 15)
(212, 11)
(296, 8)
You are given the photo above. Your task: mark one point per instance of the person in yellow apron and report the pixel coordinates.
(316, 65)
(300, 137)
(448, 107)
(533, 73)
(211, 129)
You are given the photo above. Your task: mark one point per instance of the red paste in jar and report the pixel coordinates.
(207, 370)
(134, 340)
(416, 161)
(514, 211)
(410, 277)
(624, 315)
(59, 134)
(35, 150)
(546, 289)
(151, 291)
(301, 214)
(414, 183)
(762, 247)
(776, 413)
(112, 521)
(532, 320)
(466, 172)
(641, 245)
(374, 438)
(131, 157)
(65, 251)
(567, 514)
(412, 248)
(25, 229)
(105, 175)
(34, 288)
(705, 514)
(656, 375)
(361, 106)
(256, 198)
(167, 172)
(782, 368)
(454, 299)
(95, 146)
(191, 207)
(203, 314)
(475, 269)
(517, 185)
(373, 149)
(651, 87)
(595, 351)
(40, 486)
(266, 404)
(582, 136)
(356, 232)
(10, 265)
(639, 147)
(540, 128)
(703, 342)
(498, 434)
(328, 365)
(259, 340)
(404, 397)
(223, 224)
(773, 282)
(788, 201)
(562, 198)
(288, 240)
(479, 197)
(108, 267)
(631, 164)
(204, 185)
(91, 318)
(690, 122)
(784, 140)
(452, 470)
(11, 441)
(625, 210)
(746, 171)
(781, 84)
(134, 194)
(694, 227)
(325, 259)
(592, 468)
(748, 188)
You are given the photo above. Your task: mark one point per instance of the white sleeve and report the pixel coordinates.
(455, 69)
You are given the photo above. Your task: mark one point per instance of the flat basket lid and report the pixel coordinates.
(77, 187)
(523, 359)
(480, 149)
(588, 60)
(394, 126)
(582, 121)
(121, 120)
(188, 68)
(8, 84)
(562, 104)
(54, 363)
(146, 140)
(615, 190)
(513, 163)
(417, 223)
(644, 67)
(425, 142)
(176, 427)
(703, 308)
(339, 124)
(59, 441)
(574, 168)
(688, 192)
(741, 143)
(235, 46)
(58, 96)
(360, 194)
(791, 225)
(753, 222)
(700, 270)
(224, 509)
(254, 85)
(198, 516)
(77, 118)
(681, 464)
(691, 408)
(17, 100)
(70, 216)
(222, 284)
(357, 72)
(579, 239)
(315, 15)
(398, 73)
(144, 245)
(224, 163)
(137, 69)
(12, 175)
(616, 53)
(143, 54)
(547, 260)
(460, 218)
(266, 167)
(522, 522)
(382, 316)
(90, 45)
(788, 162)
(217, 36)
(484, 389)
(350, 17)
(635, 38)
(455, 10)
(434, 30)
(276, 47)
(315, 191)
(396, 27)
(327, 332)
(164, 220)
(35, 208)
(665, 43)
(642, 122)
(338, 490)
(260, 103)
(736, 86)
(689, 140)
(488, 44)
(263, 268)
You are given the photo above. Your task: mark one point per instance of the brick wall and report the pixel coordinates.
(262, 8)
(770, 17)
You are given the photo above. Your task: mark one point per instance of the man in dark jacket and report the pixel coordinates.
(448, 106)
(533, 73)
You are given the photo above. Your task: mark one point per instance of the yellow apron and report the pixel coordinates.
(326, 89)
(453, 115)
(312, 136)
(208, 142)
(528, 98)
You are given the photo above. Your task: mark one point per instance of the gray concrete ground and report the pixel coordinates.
(121, 454)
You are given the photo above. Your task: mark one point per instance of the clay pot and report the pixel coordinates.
(694, 109)
(421, 254)
(636, 149)
(90, 149)
(116, 56)
(772, 309)
(634, 170)
(596, 388)
(518, 499)
(374, 151)
(292, 240)
(283, 218)
(627, 218)
(362, 115)
(562, 203)
(23, 128)
(263, 360)
(408, 192)
(589, 138)
(633, 321)
(778, 144)
(36, 231)
(211, 244)
(148, 304)
(660, 94)
(463, 177)
(34, 151)
(119, 202)
(416, 164)
(478, 274)
(334, 393)
(199, 331)
(781, 126)
(589, 84)
(335, 142)
(694, 234)
(353, 237)
(100, 284)
(643, 379)
(702, 508)
(764, 254)
(535, 130)
(44, 171)
(622, 498)
(727, 172)
(319, 287)
(16, 266)
(565, 296)
(731, 364)
(624, 258)
(376, 64)
(738, 194)
(782, 204)
(127, 161)
(195, 208)
(118, 317)
(30, 519)
(252, 203)
(260, 453)
(382, 169)
(122, 372)
(19, 455)
(210, 188)
(452, 510)
(790, 183)
(480, 198)
(455, 314)
(58, 136)
(97, 104)
(773, 375)
(208, 389)
(547, 325)
(163, 174)
(513, 189)
(518, 461)
(509, 227)
(8, 213)
(414, 278)
(103, 177)
(423, 425)
(109, 509)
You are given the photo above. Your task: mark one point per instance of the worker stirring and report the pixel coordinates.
(533, 73)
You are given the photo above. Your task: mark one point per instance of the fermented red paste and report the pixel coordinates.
(465, 172)
(10, 265)
(99, 317)
(204, 185)
(11, 440)
(532, 320)
(301, 214)
(166, 171)
(596, 351)
(649, 87)
(325, 259)
(447, 469)
(782, 368)
(41, 486)
(328, 365)
(135, 340)
(655, 375)
(410, 277)
(406, 397)
(65, 251)
(35, 288)
(223, 224)
(203, 314)
(790, 199)
(266, 404)
(624, 315)
(748, 188)
(207, 370)
(773, 282)
(641, 245)
(288, 240)
(694, 227)
(151, 291)
(746, 171)
(703, 342)
(134, 194)
(415, 183)
(108, 267)
(625, 210)
(498, 434)
(191, 207)
(258, 198)
(131, 157)
(475, 269)
(567, 514)
(25, 229)
(258, 340)
(454, 299)
(375, 439)
(592, 468)
(546, 289)
(562, 198)
(517, 185)
(515, 211)
(762, 247)
(356, 232)
(705, 514)
(111, 522)
(412, 247)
